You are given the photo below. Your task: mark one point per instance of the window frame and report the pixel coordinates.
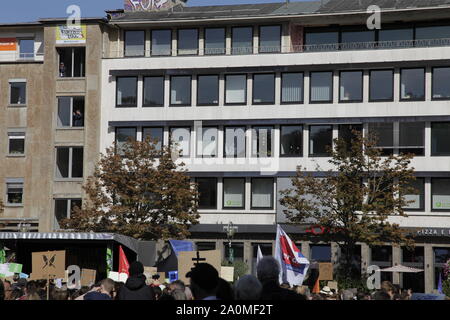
(401, 147)
(245, 90)
(303, 88)
(125, 43)
(19, 134)
(280, 38)
(190, 91)
(10, 182)
(437, 154)
(217, 194)
(302, 146)
(72, 53)
(144, 105)
(244, 198)
(231, 37)
(171, 43)
(198, 90)
(225, 142)
(392, 85)
(224, 42)
(68, 208)
(310, 88)
(198, 42)
(198, 152)
(424, 84)
(117, 93)
(150, 127)
(321, 155)
(272, 146)
(422, 201)
(10, 83)
(274, 89)
(432, 84)
(272, 194)
(71, 113)
(362, 86)
(70, 164)
(190, 140)
(432, 193)
(115, 135)
(20, 48)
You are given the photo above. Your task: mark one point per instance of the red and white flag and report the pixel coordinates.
(293, 263)
(123, 262)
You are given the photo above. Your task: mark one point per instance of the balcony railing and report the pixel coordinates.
(327, 47)
(20, 57)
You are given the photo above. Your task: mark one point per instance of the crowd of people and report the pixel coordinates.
(205, 284)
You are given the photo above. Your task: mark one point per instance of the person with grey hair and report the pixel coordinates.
(268, 271)
(248, 287)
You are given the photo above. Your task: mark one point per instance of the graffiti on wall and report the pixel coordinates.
(148, 5)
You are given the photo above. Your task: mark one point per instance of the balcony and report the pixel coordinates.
(21, 57)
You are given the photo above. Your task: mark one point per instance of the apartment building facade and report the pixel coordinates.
(250, 92)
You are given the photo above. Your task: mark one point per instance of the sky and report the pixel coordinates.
(31, 10)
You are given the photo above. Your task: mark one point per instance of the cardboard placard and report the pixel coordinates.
(187, 259)
(333, 285)
(227, 273)
(48, 264)
(88, 277)
(149, 272)
(325, 271)
(15, 267)
(118, 277)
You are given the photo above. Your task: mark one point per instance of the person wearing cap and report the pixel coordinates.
(136, 288)
(204, 281)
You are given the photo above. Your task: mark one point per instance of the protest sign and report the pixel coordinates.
(48, 264)
(333, 285)
(118, 277)
(15, 267)
(187, 260)
(227, 273)
(4, 271)
(149, 272)
(88, 277)
(325, 271)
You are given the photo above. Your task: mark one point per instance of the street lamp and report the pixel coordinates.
(230, 230)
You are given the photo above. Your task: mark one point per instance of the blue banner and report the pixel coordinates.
(179, 245)
(427, 296)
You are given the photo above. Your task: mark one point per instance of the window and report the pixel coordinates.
(395, 38)
(382, 257)
(26, 47)
(441, 256)
(384, 135)
(207, 138)
(412, 84)
(205, 246)
(180, 90)
(440, 131)
(347, 133)
(381, 85)
(321, 252)
(16, 145)
(72, 62)
(440, 194)
(264, 88)
(70, 112)
(291, 141)
(235, 253)
(124, 135)
(14, 191)
(321, 41)
(236, 89)
(321, 87)
(18, 93)
(242, 40)
(266, 250)
(353, 40)
(320, 140)
(153, 92)
(126, 92)
(233, 193)
(187, 41)
(412, 138)
(208, 90)
(269, 39)
(262, 193)
(292, 87)
(161, 42)
(134, 43)
(69, 162)
(235, 142)
(441, 83)
(207, 188)
(428, 34)
(64, 208)
(155, 134)
(214, 41)
(417, 196)
(351, 86)
(262, 141)
(182, 138)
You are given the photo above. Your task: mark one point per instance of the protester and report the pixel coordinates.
(224, 290)
(248, 287)
(304, 291)
(388, 287)
(158, 292)
(104, 292)
(177, 285)
(7, 289)
(347, 295)
(188, 293)
(381, 295)
(136, 288)
(117, 288)
(178, 294)
(268, 271)
(204, 281)
(59, 294)
(2, 291)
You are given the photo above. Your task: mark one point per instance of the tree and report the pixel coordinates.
(354, 199)
(140, 192)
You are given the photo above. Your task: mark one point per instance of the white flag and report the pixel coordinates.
(293, 263)
(259, 255)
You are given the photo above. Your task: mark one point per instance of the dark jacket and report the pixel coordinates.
(136, 289)
(272, 291)
(96, 296)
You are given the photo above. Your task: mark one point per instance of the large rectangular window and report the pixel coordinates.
(153, 92)
(431, 33)
(321, 41)
(16, 143)
(70, 112)
(348, 132)
(18, 93)
(441, 83)
(412, 84)
(69, 162)
(262, 193)
(187, 41)
(161, 42)
(292, 87)
(180, 91)
(440, 131)
(262, 141)
(269, 39)
(321, 252)
(395, 38)
(383, 133)
(417, 197)
(381, 85)
(441, 256)
(181, 137)
(291, 141)
(208, 90)
(134, 43)
(214, 41)
(264, 88)
(320, 140)
(14, 192)
(124, 135)
(351, 86)
(357, 40)
(233, 193)
(26, 48)
(126, 88)
(207, 189)
(207, 138)
(155, 135)
(72, 62)
(234, 142)
(440, 194)
(64, 208)
(236, 89)
(321, 87)
(412, 138)
(242, 40)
